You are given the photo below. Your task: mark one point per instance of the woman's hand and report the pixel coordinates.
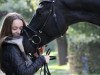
(47, 58)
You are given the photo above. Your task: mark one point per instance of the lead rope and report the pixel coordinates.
(46, 69)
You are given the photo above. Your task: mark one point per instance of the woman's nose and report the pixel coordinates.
(18, 30)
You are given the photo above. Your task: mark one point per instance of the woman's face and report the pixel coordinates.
(17, 26)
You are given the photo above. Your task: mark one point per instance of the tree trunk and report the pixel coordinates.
(62, 50)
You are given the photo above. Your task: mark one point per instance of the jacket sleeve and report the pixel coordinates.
(20, 66)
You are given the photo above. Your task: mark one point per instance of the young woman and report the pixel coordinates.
(14, 60)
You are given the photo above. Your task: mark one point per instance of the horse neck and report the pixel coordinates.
(85, 5)
(81, 10)
(67, 14)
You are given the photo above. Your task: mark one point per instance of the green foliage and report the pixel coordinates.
(85, 28)
(84, 41)
(24, 7)
(35, 4)
(12, 5)
(2, 1)
(94, 57)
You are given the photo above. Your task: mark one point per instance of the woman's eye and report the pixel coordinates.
(14, 28)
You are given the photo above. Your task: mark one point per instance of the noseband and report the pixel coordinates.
(33, 37)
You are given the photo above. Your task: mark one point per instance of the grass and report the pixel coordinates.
(56, 69)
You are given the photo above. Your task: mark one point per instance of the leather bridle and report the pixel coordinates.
(52, 10)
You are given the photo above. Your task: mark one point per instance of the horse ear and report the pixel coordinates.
(45, 1)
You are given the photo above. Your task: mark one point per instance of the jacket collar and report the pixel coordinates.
(17, 41)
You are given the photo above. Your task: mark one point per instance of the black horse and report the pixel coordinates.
(53, 18)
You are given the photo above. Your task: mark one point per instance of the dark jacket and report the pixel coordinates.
(14, 63)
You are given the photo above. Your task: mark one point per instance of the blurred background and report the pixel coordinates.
(77, 51)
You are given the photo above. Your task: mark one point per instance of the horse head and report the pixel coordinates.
(47, 23)
(53, 17)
